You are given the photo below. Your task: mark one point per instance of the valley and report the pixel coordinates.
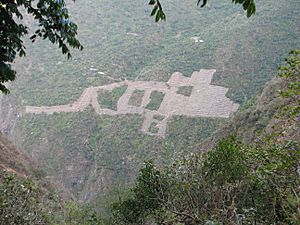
(97, 157)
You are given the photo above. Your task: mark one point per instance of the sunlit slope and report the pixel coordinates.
(91, 154)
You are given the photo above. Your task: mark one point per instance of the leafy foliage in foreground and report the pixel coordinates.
(23, 202)
(80, 214)
(232, 184)
(248, 6)
(54, 25)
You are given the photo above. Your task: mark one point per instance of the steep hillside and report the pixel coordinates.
(28, 197)
(94, 155)
(13, 160)
(242, 179)
(260, 116)
(253, 118)
(248, 173)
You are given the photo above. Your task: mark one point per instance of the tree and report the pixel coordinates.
(248, 6)
(55, 25)
(232, 184)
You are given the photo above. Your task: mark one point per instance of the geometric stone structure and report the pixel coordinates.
(205, 100)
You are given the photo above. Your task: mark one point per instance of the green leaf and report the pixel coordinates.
(154, 10)
(152, 2)
(157, 17)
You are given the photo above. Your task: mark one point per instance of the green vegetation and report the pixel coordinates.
(158, 13)
(246, 105)
(156, 99)
(19, 201)
(79, 214)
(158, 117)
(221, 26)
(25, 202)
(61, 31)
(109, 99)
(291, 73)
(54, 24)
(98, 156)
(153, 128)
(136, 98)
(185, 90)
(233, 183)
(105, 152)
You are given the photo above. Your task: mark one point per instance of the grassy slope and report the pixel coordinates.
(90, 154)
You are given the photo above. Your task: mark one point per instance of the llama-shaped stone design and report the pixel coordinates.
(205, 100)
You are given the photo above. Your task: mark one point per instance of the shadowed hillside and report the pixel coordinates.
(13, 160)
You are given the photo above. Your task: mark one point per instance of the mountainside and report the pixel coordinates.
(263, 115)
(94, 155)
(243, 177)
(13, 160)
(247, 173)
(256, 116)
